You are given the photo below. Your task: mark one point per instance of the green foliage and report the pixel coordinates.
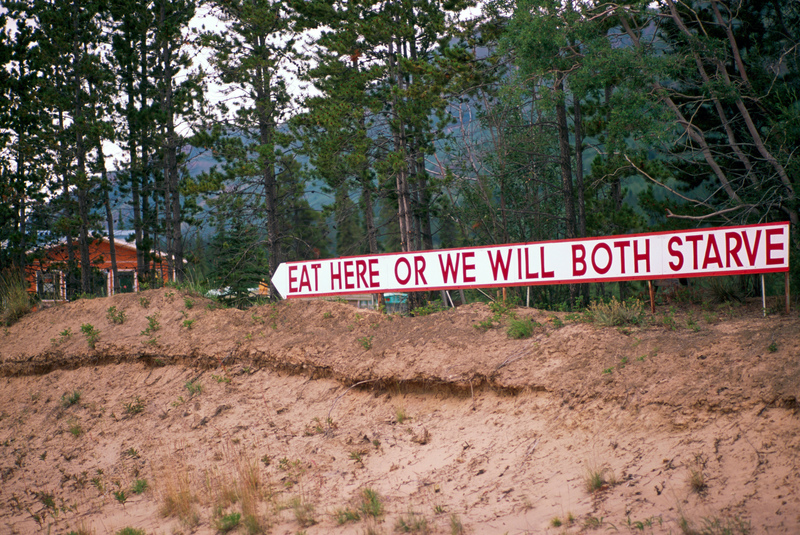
(152, 325)
(616, 313)
(365, 341)
(521, 328)
(228, 522)
(70, 399)
(115, 316)
(194, 387)
(411, 523)
(343, 516)
(370, 503)
(131, 531)
(135, 406)
(90, 333)
(14, 299)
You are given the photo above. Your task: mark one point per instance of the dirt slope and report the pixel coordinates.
(286, 414)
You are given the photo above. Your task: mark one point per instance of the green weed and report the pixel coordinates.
(366, 342)
(91, 334)
(228, 522)
(135, 406)
(115, 316)
(371, 504)
(152, 325)
(521, 328)
(194, 387)
(68, 400)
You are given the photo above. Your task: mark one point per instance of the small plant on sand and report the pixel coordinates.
(152, 325)
(303, 512)
(343, 516)
(178, 499)
(714, 526)
(456, 527)
(90, 333)
(328, 315)
(228, 522)
(131, 531)
(400, 415)
(194, 387)
(68, 400)
(616, 313)
(371, 504)
(139, 486)
(366, 341)
(135, 406)
(411, 522)
(188, 303)
(555, 522)
(121, 496)
(74, 427)
(188, 324)
(772, 348)
(115, 316)
(144, 302)
(596, 479)
(521, 328)
(697, 480)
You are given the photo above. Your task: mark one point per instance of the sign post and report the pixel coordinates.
(751, 249)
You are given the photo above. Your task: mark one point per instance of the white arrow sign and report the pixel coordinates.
(693, 253)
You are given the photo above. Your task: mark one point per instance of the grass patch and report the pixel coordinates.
(228, 522)
(714, 526)
(177, 499)
(597, 479)
(115, 316)
(68, 400)
(412, 523)
(303, 512)
(371, 503)
(91, 334)
(518, 329)
(139, 486)
(135, 406)
(616, 313)
(14, 299)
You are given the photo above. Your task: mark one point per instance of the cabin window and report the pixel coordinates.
(125, 281)
(48, 285)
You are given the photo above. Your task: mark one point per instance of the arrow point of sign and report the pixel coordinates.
(280, 280)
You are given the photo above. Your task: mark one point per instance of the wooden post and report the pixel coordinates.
(763, 296)
(504, 295)
(652, 297)
(786, 290)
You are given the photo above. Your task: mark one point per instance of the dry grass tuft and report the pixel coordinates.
(177, 496)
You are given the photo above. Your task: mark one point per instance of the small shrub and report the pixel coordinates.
(152, 325)
(14, 299)
(131, 531)
(596, 479)
(68, 400)
(188, 324)
(91, 334)
(139, 486)
(75, 428)
(194, 387)
(144, 302)
(188, 303)
(115, 316)
(518, 329)
(400, 415)
(697, 480)
(135, 406)
(371, 504)
(303, 512)
(121, 496)
(343, 516)
(366, 342)
(616, 313)
(228, 522)
(411, 523)
(772, 348)
(555, 522)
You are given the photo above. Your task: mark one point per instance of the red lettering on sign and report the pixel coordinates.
(361, 274)
(732, 252)
(498, 264)
(373, 273)
(711, 247)
(677, 254)
(752, 253)
(693, 240)
(774, 247)
(292, 279)
(468, 267)
(545, 274)
(336, 276)
(348, 274)
(643, 256)
(402, 280)
(419, 269)
(316, 267)
(621, 245)
(305, 280)
(449, 268)
(601, 270)
(578, 259)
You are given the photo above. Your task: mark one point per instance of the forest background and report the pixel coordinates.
(301, 129)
